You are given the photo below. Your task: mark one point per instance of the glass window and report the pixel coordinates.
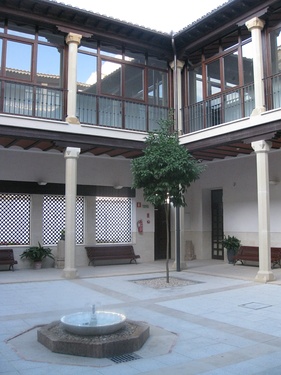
(111, 78)
(275, 40)
(157, 87)
(231, 73)
(247, 56)
(22, 31)
(195, 85)
(54, 219)
(14, 219)
(134, 82)
(113, 220)
(48, 37)
(213, 78)
(1, 44)
(138, 58)
(87, 73)
(111, 51)
(18, 60)
(86, 46)
(48, 65)
(230, 40)
(152, 61)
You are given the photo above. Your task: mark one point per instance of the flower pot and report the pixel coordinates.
(38, 265)
(230, 255)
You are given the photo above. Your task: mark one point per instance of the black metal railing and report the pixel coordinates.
(118, 113)
(221, 108)
(31, 100)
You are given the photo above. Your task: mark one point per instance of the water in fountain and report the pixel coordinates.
(94, 322)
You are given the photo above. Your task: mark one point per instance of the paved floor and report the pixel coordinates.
(220, 323)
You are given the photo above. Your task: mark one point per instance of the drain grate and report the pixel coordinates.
(255, 305)
(125, 358)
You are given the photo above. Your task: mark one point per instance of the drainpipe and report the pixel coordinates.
(178, 249)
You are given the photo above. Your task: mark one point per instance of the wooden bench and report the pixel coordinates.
(251, 253)
(7, 257)
(111, 252)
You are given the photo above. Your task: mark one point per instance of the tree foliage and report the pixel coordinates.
(166, 169)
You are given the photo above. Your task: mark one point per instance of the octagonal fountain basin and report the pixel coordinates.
(99, 323)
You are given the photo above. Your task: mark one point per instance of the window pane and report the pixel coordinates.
(231, 74)
(275, 38)
(195, 85)
(111, 78)
(213, 78)
(138, 58)
(247, 55)
(54, 219)
(1, 44)
(15, 219)
(111, 51)
(157, 87)
(87, 73)
(134, 79)
(152, 61)
(113, 220)
(16, 67)
(48, 37)
(22, 31)
(48, 65)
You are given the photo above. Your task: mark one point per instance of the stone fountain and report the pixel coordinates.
(96, 334)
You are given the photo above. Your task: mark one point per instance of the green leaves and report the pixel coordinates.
(166, 169)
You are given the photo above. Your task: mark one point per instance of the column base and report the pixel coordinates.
(70, 273)
(264, 276)
(72, 120)
(257, 111)
(183, 265)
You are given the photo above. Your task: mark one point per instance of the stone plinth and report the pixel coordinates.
(127, 340)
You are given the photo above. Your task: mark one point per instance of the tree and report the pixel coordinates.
(165, 171)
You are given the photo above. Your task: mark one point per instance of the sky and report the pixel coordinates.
(159, 15)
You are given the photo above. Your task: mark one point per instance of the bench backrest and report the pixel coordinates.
(102, 250)
(248, 249)
(6, 254)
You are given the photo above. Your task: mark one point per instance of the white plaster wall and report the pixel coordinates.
(33, 165)
(237, 178)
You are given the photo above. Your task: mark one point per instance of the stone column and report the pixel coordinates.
(178, 93)
(73, 41)
(181, 237)
(71, 155)
(261, 149)
(255, 25)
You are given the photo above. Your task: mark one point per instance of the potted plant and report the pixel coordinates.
(36, 254)
(231, 244)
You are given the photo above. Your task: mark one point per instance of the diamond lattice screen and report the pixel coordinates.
(15, 219)
(113, 220)
(54, 219)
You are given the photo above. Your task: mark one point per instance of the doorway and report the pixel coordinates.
(217, 224)
(160, 234)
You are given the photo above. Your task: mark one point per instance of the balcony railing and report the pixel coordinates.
(225, 107)
(273, 91)
(123, 114)
(30, 100)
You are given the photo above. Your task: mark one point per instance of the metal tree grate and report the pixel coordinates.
(125, 358)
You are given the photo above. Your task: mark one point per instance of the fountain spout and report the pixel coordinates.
(93, 320)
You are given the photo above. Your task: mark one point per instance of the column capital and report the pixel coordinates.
(261, 146)
(255, 23)
(72, 152)
(73, 38)
(180, 64)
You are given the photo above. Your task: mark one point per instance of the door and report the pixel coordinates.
(160, 233)
(217, 224)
